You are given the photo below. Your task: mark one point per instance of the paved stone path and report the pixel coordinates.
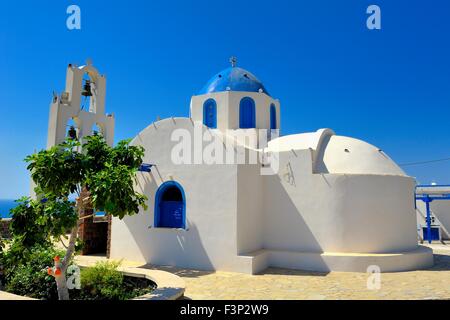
(275, 283)
(433, 283)
(9, 296)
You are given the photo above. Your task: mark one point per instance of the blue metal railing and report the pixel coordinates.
(428, 198)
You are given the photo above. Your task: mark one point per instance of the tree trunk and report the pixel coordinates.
(61, 281)
(61, 285)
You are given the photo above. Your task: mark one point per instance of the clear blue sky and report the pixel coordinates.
(390, 87)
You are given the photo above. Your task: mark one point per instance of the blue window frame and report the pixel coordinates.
(273, 117)
(247, 115)
(210, 113)
(170, 206)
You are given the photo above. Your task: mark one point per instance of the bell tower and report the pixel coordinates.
(67, 113)
(78, 112)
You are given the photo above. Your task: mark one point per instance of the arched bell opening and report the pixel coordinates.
(73, 129)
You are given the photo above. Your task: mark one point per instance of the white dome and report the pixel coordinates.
(338, 154)
(341, 154)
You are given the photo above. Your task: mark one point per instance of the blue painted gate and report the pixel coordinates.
(171, 214)
(434, 233)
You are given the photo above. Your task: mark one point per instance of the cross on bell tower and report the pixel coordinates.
(233, 61)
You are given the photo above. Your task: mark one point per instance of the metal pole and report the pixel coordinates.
(427, 204)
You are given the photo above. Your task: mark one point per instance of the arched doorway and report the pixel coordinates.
(170, 206)
(210, 113)
(247, 117)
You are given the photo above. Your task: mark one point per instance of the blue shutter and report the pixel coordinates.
(273, 117)
(171, 214)
(247, 115)
(210, 113)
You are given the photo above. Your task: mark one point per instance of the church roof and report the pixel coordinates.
(338, 154)
(233, 79)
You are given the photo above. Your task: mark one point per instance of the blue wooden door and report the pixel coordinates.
(171, 214)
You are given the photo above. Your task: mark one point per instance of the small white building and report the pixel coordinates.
(226, 192)
(438, 198)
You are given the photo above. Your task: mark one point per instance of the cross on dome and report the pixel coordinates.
(233, 61)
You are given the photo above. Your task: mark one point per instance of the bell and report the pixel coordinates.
(72, 133)
(87, 89)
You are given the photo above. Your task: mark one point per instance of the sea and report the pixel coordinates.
(5, 206)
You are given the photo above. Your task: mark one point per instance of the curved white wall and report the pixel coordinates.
(337, 212)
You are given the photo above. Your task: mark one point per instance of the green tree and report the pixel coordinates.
(36, 222)
(102, 177)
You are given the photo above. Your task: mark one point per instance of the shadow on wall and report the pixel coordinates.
(181, 248)
(287, 232)
(285, 226)
(441, 210)
(320, 166)
(163, 246)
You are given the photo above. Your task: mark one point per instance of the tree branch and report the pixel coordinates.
(88, 216)
(62, 242)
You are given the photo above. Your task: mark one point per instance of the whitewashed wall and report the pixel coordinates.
(211, 203)
(228, 108)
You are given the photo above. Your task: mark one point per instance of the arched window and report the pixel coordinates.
(210, 113)
(170, 206)
(247, 116)
(273, 117)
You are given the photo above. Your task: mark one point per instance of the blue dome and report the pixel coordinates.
(233, 79)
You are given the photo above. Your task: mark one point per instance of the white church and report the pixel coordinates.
(312, 201)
